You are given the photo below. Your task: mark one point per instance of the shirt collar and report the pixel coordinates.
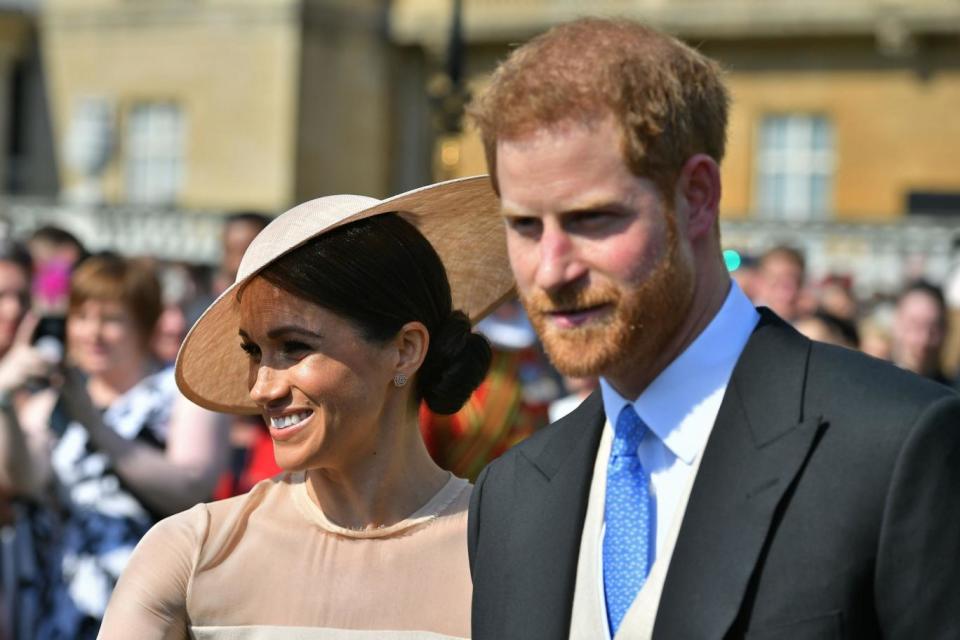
(693, 384)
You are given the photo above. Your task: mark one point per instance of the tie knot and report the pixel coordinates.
(629, 432)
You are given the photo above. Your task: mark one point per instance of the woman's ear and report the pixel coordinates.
(412, 342)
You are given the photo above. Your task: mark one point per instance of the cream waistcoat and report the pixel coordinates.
(589, 616)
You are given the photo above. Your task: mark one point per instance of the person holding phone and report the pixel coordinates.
(106, 450)
(19, 360)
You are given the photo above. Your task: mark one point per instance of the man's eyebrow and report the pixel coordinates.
(597, 205)
(585, 207)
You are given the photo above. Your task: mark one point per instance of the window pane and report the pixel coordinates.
(822, 134)
(794, 166)
(819, 193)
(155, 143)
(773, 133)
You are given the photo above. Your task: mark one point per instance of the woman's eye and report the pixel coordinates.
(293, 348)
(250, 349)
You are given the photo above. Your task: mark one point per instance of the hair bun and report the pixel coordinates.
(456, 363)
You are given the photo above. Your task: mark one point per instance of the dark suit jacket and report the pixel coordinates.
(827, 505)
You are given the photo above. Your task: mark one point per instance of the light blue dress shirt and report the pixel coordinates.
(681, 405)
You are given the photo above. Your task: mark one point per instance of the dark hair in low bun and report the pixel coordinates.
(380, 273)
(455, 365)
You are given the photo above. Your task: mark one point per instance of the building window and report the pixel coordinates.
(795, 167)
(154, 153)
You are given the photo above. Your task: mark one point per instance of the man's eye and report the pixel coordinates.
(525, 226)
(590, 218)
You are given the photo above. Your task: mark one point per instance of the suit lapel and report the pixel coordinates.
(758, 445)
(545, 540)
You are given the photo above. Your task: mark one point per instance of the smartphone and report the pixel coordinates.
(53, 326)
(50, 336)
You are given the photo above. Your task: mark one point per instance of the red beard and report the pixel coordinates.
(638, 324)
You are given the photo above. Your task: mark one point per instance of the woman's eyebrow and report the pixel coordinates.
(286, 329)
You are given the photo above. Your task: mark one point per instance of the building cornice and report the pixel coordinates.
(127, 15)
(425, 22)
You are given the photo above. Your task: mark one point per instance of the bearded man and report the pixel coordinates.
(730, 478)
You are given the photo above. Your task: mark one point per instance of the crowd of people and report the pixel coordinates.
(910, 327)
(97, 452)
(98, 444)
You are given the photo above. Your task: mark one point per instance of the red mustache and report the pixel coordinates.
(569, 299)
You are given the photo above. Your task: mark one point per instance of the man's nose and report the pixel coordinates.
(559, 263)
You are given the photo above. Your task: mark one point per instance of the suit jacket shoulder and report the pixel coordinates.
(845, 381)
(823, 503)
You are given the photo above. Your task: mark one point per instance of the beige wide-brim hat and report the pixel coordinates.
(459, 218)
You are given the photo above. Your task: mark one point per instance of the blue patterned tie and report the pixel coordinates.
(629, 515)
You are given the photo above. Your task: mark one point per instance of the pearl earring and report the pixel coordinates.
(400, 379)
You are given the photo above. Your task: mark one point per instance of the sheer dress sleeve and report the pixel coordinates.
(149, 601)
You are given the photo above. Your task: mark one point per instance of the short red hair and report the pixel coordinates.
(667, 98)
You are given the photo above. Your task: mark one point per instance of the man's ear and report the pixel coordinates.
(699, 187)
(412, 342)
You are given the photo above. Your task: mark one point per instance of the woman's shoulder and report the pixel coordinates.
(165, 558)
(454, 498)
(446, 513)
(267, 502)
(266, 494)
(194, 527)
(184, 530)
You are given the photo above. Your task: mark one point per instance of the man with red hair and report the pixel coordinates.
(729, 477)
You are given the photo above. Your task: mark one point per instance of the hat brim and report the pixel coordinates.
(460, 218)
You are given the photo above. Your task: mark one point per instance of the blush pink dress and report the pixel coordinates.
(268, 564)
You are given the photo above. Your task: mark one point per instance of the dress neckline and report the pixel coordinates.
(434, 507)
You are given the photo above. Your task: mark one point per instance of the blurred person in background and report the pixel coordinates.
(951, 293)
(510, 404)
(781, 276)
(55, 252)
(874, 330)
(919, 329)
(104, 452)
(835, 297)
(239, 230)
(578, 389)
(251, 448)
(15, 278)
(181, 292)
(15, 272)
(826, 327)
(21, 366)
(747, 275)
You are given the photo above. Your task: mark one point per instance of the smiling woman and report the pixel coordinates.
(347, 312)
